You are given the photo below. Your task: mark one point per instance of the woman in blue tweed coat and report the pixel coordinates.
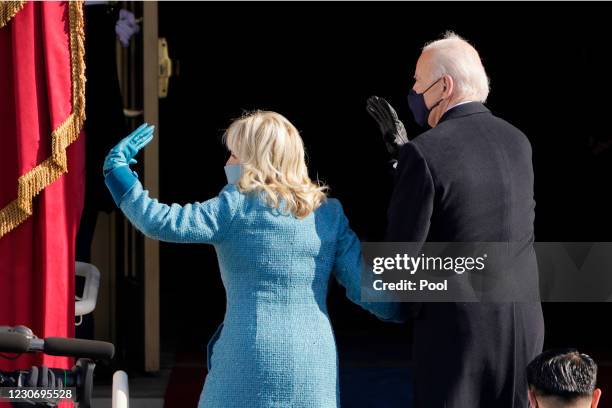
(278, 240)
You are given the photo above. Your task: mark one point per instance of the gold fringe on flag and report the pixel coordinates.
(34, 181)
(8, 9)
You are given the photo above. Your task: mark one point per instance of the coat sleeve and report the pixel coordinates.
(348, 267)
(200, 222)
(411, 206)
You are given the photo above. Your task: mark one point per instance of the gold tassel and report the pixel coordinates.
(8, 9)
(52, 168)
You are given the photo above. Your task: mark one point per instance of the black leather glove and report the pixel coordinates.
(392, 129)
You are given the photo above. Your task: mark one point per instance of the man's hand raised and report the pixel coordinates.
(392, 129)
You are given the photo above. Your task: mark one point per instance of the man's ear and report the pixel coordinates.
(596, 397)
(533, 403)
(449, 85)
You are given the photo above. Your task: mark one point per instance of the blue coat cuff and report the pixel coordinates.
(120, 181)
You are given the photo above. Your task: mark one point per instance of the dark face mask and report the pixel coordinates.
(416, 102)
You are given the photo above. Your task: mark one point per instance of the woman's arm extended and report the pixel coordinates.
(348, 268)
(205, 222)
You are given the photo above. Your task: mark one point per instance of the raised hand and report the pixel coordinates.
(123, 153)
(392, 129)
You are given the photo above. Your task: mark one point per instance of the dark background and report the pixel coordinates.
(317, 63)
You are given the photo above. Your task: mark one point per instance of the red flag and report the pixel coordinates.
(41, 168)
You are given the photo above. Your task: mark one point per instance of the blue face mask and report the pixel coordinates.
(416, 102)
(233, 172)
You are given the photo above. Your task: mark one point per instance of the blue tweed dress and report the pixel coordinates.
(276, 346)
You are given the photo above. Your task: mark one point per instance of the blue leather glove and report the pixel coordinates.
(123, 153)
(118, 176)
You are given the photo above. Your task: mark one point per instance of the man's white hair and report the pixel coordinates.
(454, 56)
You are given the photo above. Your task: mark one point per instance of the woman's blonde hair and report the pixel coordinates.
(272, 155)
